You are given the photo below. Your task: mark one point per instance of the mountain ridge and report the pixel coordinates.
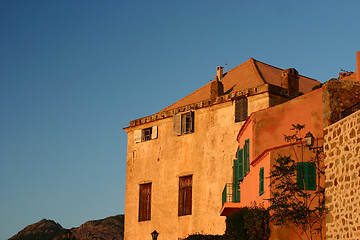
(111, 228)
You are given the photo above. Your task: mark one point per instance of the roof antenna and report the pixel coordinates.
(226, 66)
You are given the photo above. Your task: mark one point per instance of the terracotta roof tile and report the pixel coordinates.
(249, 74)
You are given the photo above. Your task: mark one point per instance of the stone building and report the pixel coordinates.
(179, 158)
(342, 149)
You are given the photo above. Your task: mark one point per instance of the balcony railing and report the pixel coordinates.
(227, 194)
(350, 110)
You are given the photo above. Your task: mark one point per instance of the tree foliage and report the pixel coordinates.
(291, 205)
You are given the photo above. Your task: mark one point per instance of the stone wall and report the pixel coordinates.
(338, 95)
(342, 149)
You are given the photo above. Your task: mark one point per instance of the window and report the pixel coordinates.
(306, 175)
(145, 202)
(185, 195)
(183, 123)
(145, 134)
(246, 156)
(241, 109)
(261, 181)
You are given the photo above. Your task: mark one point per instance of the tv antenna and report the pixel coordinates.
(226, 66)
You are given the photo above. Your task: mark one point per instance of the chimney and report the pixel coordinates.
(219, 72)
(358, 66)
(217, 89)
(290, 80)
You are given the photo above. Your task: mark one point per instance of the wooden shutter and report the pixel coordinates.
(154, 132)
(261, 181)
(188, 200)
(145, 202)
(246, 157)
(177, 124)
(185, 196)
(137, 136)
(300, 174)
(241, 109)
(311, 176)
(235, 177)
(240, 159)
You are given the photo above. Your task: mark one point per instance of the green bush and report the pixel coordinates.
(249, 223)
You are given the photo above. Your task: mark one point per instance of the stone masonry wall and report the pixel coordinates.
(338, 95)
(342, 185)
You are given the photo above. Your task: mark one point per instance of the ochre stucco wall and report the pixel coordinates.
(342, 186)
(207, 154)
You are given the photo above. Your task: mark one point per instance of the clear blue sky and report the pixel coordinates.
(73, 73)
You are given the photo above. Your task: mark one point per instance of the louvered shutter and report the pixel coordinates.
(311, 176)
(145, 202)
(188, 200)
(235, 179)
(261, 181)
(137, 136)
(240, 159)
(185, 196)
(154, 132)
(241, 109)
(177, 124)
(181, 200)
(300, 174)
(246, 157)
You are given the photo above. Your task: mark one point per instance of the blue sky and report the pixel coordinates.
(74, 73)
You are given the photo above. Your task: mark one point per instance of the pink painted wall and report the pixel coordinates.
(270, 125)
(266, 128)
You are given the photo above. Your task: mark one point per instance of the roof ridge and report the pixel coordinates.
(257, 70)
(202, 87)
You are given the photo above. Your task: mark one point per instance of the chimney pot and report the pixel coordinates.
(219, 72)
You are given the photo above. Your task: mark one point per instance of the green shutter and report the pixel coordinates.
(300, 174)
(246, 156)
(311, 176)
(306, 172)
(261, 181)
(236, 182)
(240, 164)
(235, 179)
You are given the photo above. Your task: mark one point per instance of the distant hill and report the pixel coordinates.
(111, 228)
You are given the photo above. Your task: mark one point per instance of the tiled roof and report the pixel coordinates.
(249, 74)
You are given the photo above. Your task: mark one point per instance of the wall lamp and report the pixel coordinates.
(309, 139)
(154, 235)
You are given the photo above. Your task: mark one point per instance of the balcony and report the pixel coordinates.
(230, 199)
(350, 110)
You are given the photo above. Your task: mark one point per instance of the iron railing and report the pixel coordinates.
(227, 194)
(350, 110)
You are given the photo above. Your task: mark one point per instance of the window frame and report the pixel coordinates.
(183, 123)
(147, 134)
